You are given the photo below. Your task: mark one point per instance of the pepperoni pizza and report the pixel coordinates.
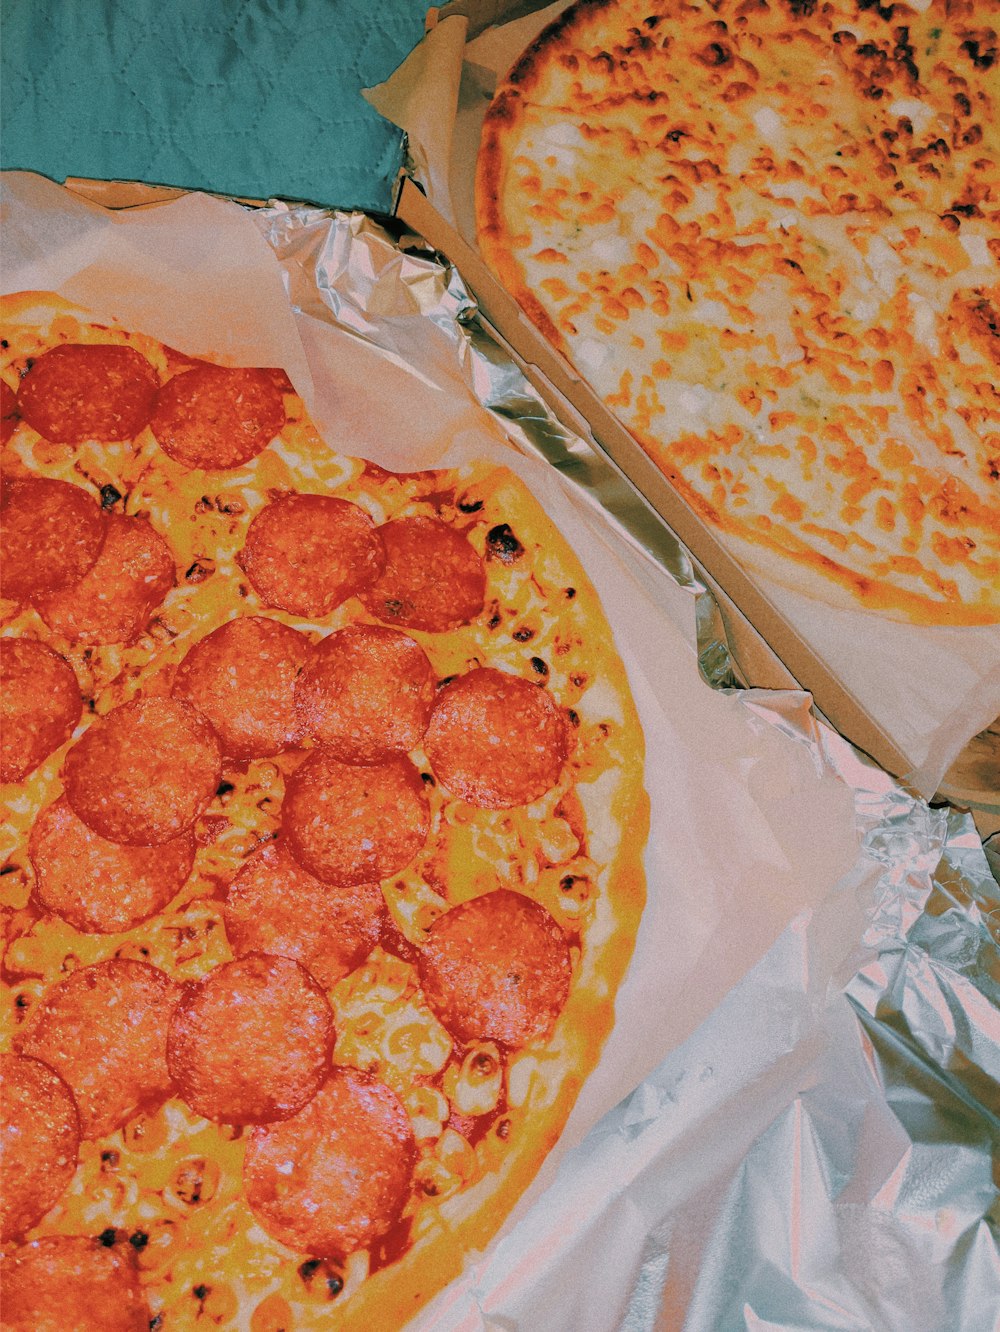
(325, 808)
(766, 231)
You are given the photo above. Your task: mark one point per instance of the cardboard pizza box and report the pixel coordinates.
(771, 648)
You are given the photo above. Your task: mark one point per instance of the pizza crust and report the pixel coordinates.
(577, 850)
(763, 233)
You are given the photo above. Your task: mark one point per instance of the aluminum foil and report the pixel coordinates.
(870, 1201)
(820, 1153)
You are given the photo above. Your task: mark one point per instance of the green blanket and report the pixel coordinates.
(256, 98)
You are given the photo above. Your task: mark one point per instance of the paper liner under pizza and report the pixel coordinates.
(768, 233)
(325, 796)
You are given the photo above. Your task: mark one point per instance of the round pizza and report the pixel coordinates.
(324, 817)
(768, 233)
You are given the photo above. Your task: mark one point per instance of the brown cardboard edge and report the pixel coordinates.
(483, 14)
(797, 663)
(122, 194)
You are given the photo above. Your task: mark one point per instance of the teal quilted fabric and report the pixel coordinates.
(257, 98)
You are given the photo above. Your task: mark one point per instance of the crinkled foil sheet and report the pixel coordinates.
(822, 1153)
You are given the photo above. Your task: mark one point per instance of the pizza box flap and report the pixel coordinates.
(878, 681)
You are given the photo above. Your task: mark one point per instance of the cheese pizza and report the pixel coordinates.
(325, 822)
(768, 233)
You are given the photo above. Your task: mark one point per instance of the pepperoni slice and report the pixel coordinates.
(350, 825)
(308, 553)
(252, 1042)
(496, 740)
(434, 578)
(102, 887)
(242, 677)
(217, 418)
(275, 906)
(145, 773)
(73, 1281)
(496, 968)
(40, 704)
(85, 391)
(104, 1031)
(113, 601)
(335, 1177)
(50, 535)
(367, 693)
(9, 416)
(39, 1142)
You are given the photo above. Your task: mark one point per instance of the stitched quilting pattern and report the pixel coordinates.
(249, 97)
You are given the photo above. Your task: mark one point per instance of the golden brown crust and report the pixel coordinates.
(484, 1117)
(763, 231)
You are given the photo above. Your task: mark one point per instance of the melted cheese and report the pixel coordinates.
(781, 226)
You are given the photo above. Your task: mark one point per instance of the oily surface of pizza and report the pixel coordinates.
(768, 233)
(325, 816)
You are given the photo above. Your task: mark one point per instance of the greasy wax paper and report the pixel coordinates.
(769, 840)
(930, 689)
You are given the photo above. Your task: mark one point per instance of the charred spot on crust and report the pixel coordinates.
(714, 55)
(982, 59)
(502, 544)
(200, 570)
(884, 12)
(332, 1280)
